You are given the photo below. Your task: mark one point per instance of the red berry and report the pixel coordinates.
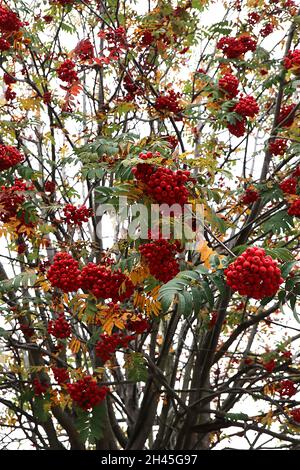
(66, 72)
(76, 215)
(64, 273)
(229, 84)
(86, 393)
(59, 328)
(9, 157)
(250, 279)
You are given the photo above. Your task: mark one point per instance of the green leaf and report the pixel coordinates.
(280, 253)
(136, 367)
(97, 422)
(39, 409)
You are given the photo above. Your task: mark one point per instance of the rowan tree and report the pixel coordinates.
(138, 340)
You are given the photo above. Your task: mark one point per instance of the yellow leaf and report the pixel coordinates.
(205, 252)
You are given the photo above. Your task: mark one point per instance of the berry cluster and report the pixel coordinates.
(253, 18)
(12, 198)
(254, 274)
(289, 186)
(86, 393)
(162, 184)
(278, 146)
(246, 107)
(64, 273)
(76, 215)
(10, 94)
(167, 186)
(296, 415)
(266, 30)
(84, 50)
(131, 86)
(159, 255)
(49, 187)
(39, 388)
(9, 79)
(117, 42)
(59, 328)
(229, 84)
(104, 283)
(269, 366)
(4, 45)
(292, 61)
(286, 116)
(234, 48)
(139, 325)
(294, 208)
(249, 196)
(61, 375)
(9, 21)
(27, 330)
(9, 157)
(107, 345)
(287, 388)
(238, 128)
(66, 72)
(168, 102)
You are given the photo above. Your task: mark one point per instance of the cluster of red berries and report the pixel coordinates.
(287, 388)
(76, 215)
(84, 50)
(278, 146)
(104, 283)
(132, 87)
(269, 366)
(246, 107)
(162, 184)
(9, 79)
(168, 102)
(253, 18)
(9, 157)
(59, 328)
(286, 116)
(139, 325)
(64, 273)
(39, 388)
(66, 72)
(12, 198)
(159, 256)
(4, 45)
(254, 274)
(292, 61)
(61, 375)
(27, 330)
(9, 21)
(172, 141)
(117, 41)
(49, 187)
(294, 208)
(289, 186)
(249, 196)
(234, 48)
(168, 186)
(47, 97)
(266, 30)
(86, 393)
(296, 415)
(229, 84)
(238, 128)
(108, 344)
(9, 94)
